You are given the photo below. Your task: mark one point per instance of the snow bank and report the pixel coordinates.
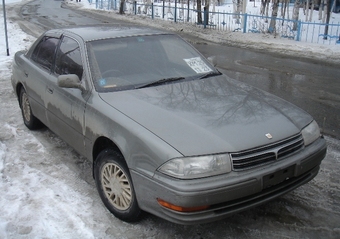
(265, 42)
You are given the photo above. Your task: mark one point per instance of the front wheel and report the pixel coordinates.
(30, 120)
(115, 187)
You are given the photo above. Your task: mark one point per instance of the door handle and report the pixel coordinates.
(25, 73)
(49, 90)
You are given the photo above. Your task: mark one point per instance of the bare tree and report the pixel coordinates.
(264, 8)
(272, 26)
(239, 6)
(188, 2)
(237, 9)
(287, 2)
(328, 17)
(199, 11)
(121, 6)
(312, 10)
(320, 9)
(207, 5)
(284, 9)
(325, 7)
(306, 10)
(296, 13)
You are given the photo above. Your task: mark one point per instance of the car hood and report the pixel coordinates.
(212, 115)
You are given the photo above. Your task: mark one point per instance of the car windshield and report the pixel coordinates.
(144, 61)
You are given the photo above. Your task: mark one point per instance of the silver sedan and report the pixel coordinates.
(166, 131)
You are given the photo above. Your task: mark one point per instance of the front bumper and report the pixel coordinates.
(230, 193)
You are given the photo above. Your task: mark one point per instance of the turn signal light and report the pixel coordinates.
(181, 209)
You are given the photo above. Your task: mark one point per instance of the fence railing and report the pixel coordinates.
(226, 21)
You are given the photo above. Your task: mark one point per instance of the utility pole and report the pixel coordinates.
(4, 9)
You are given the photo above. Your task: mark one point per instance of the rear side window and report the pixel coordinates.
(43, 53)
(68, 59)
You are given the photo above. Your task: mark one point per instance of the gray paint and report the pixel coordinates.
(152, 125)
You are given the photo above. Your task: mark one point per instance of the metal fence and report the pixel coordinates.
(225, 21)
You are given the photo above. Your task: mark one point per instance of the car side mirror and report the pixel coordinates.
(212, 60)
(70, 81)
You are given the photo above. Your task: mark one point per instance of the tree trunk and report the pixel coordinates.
(325, 7)
(121, 6)
(328, 17)
(311, 11)
(272, 26)
(207, 5)
(267, 9)
(296, 13)
(239, 6)
(263, 7)
(238, 10)
(283, 10)
(287, 2)
(199, 12)
(320, 10)
(188, 3)
(307, 10)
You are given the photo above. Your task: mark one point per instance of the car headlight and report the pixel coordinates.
(311, 133)
(197, 167)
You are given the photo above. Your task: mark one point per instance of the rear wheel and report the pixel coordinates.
(115, 187)
(30, 120)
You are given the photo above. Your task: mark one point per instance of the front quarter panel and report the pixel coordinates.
(143, 151)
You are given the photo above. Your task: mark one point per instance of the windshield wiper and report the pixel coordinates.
(161, 81)
(211, 73)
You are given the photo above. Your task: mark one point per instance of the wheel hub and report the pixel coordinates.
(116, 186)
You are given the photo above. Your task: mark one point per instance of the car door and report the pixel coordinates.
(66, 106)
(37, 71)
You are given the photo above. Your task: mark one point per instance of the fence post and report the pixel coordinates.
(152, 15)
(205, 17)
(298, 37)
(245, 23)
(135, 6)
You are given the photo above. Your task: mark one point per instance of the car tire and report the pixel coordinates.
(114, 184)
(30, 120)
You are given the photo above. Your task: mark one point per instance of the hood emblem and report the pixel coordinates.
(269, 136)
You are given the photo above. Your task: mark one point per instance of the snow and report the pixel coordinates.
(267, 42)
(47, 190)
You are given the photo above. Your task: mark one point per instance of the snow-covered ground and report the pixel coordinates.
(265, 42)
(47, 190)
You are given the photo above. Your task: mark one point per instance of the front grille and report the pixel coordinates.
(267, 154)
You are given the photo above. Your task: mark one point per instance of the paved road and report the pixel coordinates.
(313, 86)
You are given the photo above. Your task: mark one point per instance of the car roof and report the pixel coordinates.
(100, 32)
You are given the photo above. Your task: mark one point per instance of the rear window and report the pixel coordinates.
(44, 52)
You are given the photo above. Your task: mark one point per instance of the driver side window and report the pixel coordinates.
(68, 59)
